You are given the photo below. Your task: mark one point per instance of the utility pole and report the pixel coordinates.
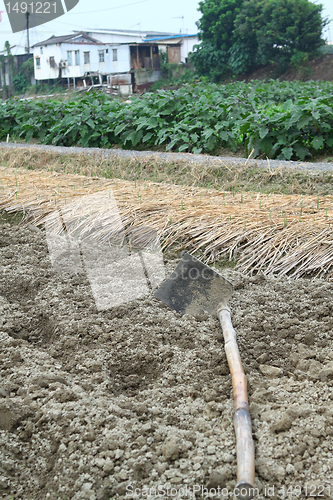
(27, 14)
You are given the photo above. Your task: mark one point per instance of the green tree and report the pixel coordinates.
(238, 35)
(216, 27)
(216, 24)
(280, 31)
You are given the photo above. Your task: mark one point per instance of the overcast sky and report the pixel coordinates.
(155, 15)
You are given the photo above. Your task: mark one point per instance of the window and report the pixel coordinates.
(86, 56)
(52, 62)
(41, 50)
(77, 58)
(101, 55)
(114, 54)
(37, 62)
(69, 58)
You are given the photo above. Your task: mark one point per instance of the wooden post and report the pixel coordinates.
(151, 57)
(137, 56)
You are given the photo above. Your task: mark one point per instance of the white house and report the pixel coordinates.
(180, 44)
(126, 58)
(72, 56)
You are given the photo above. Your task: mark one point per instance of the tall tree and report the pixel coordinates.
(281, 31)
(216, 24)
(238, 35)
(216, 27)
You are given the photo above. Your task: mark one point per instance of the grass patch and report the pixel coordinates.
(239, 177)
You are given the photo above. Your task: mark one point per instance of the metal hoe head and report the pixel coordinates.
(194, 288)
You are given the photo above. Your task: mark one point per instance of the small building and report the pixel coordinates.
(126, 59)
(70, 57)
(178, 47)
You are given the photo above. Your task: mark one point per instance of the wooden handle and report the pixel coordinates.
(245, 455)
(242, 421)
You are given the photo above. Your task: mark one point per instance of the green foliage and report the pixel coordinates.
(172, 74)
(20, 83)
(27, 68)
(285, 120)
(243, 34)
(216, 33)
(298, 58)
(166, 67)
(216, 24)
(210, 61)
(177, 79)
(22, 80)
(241, 57)
(282, 31)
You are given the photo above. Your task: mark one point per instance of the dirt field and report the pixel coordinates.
(95, 404)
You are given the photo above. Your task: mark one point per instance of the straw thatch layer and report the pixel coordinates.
(287, 235)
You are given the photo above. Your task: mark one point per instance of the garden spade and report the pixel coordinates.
(194, 288)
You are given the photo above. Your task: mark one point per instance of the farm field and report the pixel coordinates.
(284, 120)
(263, 231)
(95, 403)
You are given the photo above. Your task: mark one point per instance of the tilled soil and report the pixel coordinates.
(105, 405)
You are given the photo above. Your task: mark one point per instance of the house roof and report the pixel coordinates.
(78, 37)
(81, 37)
(165, 38)
(130, 32)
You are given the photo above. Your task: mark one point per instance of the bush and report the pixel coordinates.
(20, 83)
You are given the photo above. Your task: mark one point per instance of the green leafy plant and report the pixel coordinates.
(285, 120)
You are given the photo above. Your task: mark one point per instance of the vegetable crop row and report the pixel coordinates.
(284, 120)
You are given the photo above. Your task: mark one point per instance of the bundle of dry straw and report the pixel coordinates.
(274, 234)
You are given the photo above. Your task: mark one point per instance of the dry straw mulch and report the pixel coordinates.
(279, 234)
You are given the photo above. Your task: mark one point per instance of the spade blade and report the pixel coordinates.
(194, 288)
